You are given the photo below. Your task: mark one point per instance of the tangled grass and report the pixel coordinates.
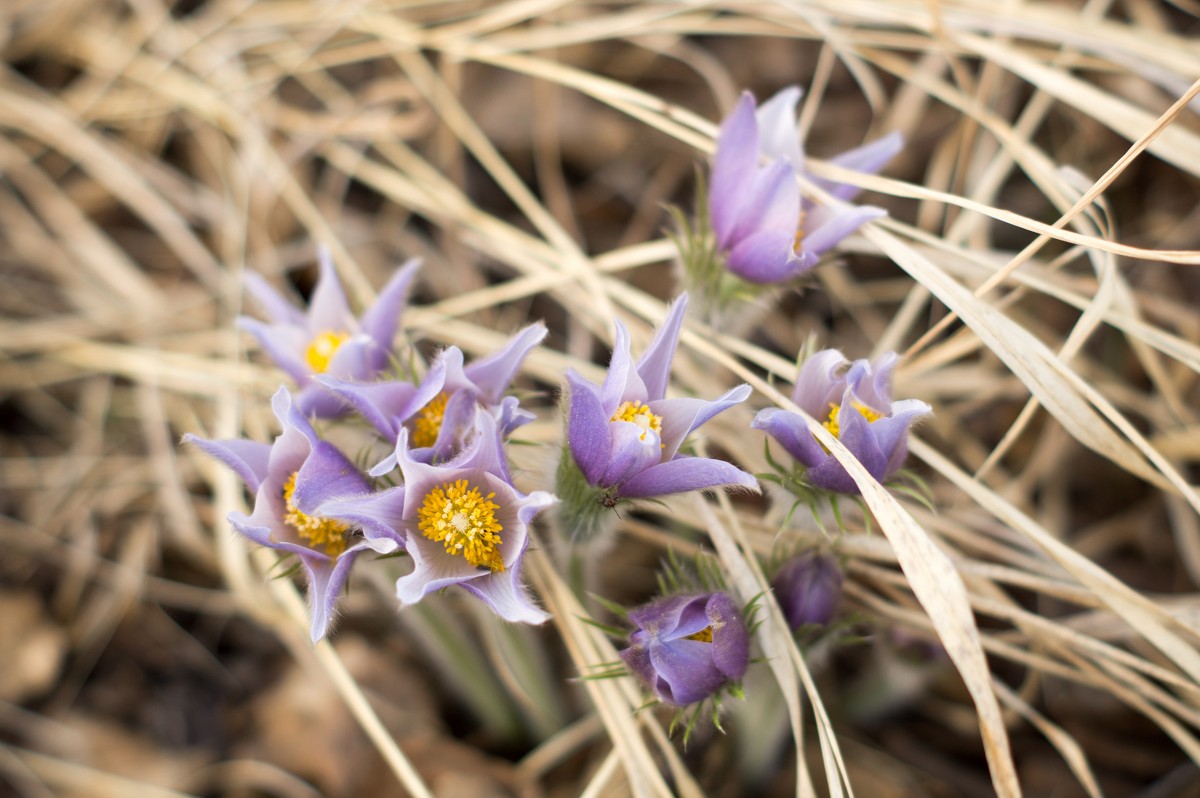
(1035, 631)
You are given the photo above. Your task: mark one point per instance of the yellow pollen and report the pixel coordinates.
(318, 531)
(428, 423)
(832, 424)
(639, 413)
(322, 349)
(465, 521)
(704, 635)
(798, 241)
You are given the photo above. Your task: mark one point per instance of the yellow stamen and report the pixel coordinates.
(639, 413)
(704, 635)
(832, 424)
(465, 521)
(428, 422)
(798, 241)
(322, 349)
(318, 531)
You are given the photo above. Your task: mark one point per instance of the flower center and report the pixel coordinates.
(639, 413)
(322, 349)
(465, 521)
(317, 531)
(704, 635)
(428, 422)
(832, 424)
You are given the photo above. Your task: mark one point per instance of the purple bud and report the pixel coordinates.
(686, 648)
(807, 588)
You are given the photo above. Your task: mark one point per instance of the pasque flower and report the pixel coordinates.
(807, 588)
(462, 522)
(291, 479)
(767, 232)
(439, 412)
(854, 402)
(327, 338)
(686, 648)
(624, 435)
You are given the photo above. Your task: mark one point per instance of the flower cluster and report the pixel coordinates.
(440, 491)
(854, 403)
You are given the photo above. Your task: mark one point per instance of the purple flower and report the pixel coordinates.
(686, 648)
(625, 436)
(807, 588)
(439, 412)
(462, 523)
(767, 232)
(854, 402)
(291, 479)
(327, 338)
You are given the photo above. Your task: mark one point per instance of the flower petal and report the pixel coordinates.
(327, 474)
(379, 515)
(665, 617)
(773, 203)
(791, 432)
(869, 158)
(634, 449)
(328, 310)
(283, 344)
(681, 416)
(491, 375)
(734, 168)
(891, 433)
(502, 591)
(768, 257)
(588, 435)
(685, 670)
(621, 382)
(855, 435)
(684, 474)
(777, 134)
(248, 459)
(325, 581)
(818, 385)
(381, 320)
(830, 226)
(654, 366)
(386, 405)
(730, 640)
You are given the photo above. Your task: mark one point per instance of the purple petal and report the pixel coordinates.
(621, 382)
(683, 474)
(587, 428)
(283, 344)
(325, 581)
(637, 659)
(381, 320)
(731, 640)
(326, 475)
(379, 515)
(633, 451)
(681, 416)
(869, 158)
(485, 450)
(315, 401)
(873, 384)
(818, 385)
(773, 203)
(433, 570)
(384, 405)
(685, 670)
(654, 366)
(458, 419)
(734, 168)
(328, 310)
(278, 309)
(829, 227)
(492, 374)
(290, 417)
(891, 433)
(777, 134)
(248, 459)
(791, 432)
(855, 434)
(360, 357)
(664, 617)
(768, 257)
(502, 591)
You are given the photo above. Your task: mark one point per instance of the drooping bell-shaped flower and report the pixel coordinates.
(766, 231)
(439, 412)
(807, 588)
(624, 436)
(291, 479)
(327, 338)
(854, 402)
(462, 522)
(687, 648)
